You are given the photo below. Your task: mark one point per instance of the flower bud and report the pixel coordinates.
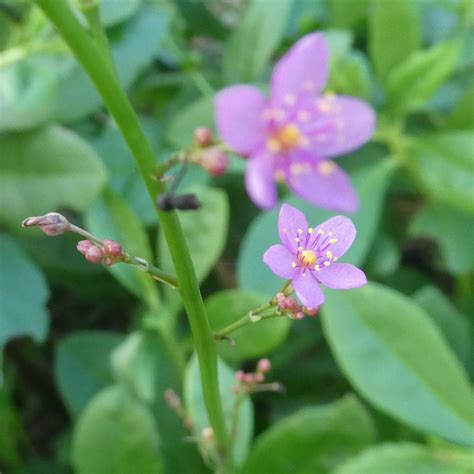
(264, 366)
(215, 161)
(172, 399)
(259, 377)
(112, 248)
(83, 246)
(299, 315)
(311, 311)
(203, 136)
(94, 255)
(239, 376)
(249, 378)
(207, 435)
(51, 224)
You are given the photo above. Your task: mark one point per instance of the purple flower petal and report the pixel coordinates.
(340, 230)
(291, 220)
(338, 125)
(279, 259)
(238, 111)
(308, 291)
(260, 180)
(302, 70)
(342, 276)
(321, 183)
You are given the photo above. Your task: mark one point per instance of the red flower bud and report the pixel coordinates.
(112, 248)
(51, 224)
(264, 365)
(203, 136)
(215, 161)
(83, 246)
(94, 255)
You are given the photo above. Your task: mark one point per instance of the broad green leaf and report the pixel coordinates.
(27, 92)
(111, 218)
(82, 366)
(394, 33)
(384, 257)
(453, 324)
(397, 358)
(23, 295)
(414, 81)
(313, 440)
(46, 169)
(370, 182)
(197, 410)
(407, 458)
(115, 434)
(449, 227)
(256, 38)
(444, 165)
(133, 47)
(462, 117)
(348, 13)
(199, 19)
(205, 231)
(111, 11)
(146, 365)
(253, 340)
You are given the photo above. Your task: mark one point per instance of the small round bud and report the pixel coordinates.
(108, 261)
(240, 376)
(112, 248)
(299, 315)
(172, 399)
(51, 224)
(207, 435)
(264, 366)
(311, 311)
(83, 246)
(94, 255)
(249, 378)
(203, 136)
(215, 161)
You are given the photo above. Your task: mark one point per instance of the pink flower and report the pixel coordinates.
(292, 135)
(308, 256)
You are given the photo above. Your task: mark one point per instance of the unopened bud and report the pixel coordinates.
(94, 255)
(215, 161)
(83, 246)
(51, 224)
(299, 315)
(311, 311)
(239, 376)
(112, 248)
(264, 366)
(259, 377)
(172, 399)
(203, 136)
(249, 378)
(207, 435)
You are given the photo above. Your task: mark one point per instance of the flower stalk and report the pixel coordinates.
(91, 58)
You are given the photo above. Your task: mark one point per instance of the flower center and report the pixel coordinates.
(285, 139)
(308, 258)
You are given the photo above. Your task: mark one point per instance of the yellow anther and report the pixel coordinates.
(320, 231)
(300, 248)
(332, 241)
(330, 233)
(326, 263)
(293, 264)
(335, 259)
(329, 254)
(297, 239)
(308, 257)
(325, 168)
(310, 230)
(273, 145)
(317, 268)
(300, 231)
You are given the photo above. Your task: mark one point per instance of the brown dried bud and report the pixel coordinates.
(51, 224)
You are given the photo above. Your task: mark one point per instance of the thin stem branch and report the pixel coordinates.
(244, 321)
(120, 108)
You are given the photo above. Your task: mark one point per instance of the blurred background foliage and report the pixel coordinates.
(378, 384)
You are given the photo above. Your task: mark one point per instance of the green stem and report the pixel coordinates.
(240, 323)
(120, 108)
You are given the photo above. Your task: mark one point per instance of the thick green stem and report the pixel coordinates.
(120, 108)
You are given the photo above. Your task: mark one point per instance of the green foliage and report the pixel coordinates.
(45, 169)
(407, 458)
(117, 424)
(314, 439)
(380, 339)
(82, 366)
(251, 341)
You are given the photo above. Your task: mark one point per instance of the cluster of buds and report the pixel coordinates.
(254, 381)
(109, 252)
(210, 156)
(289, 306)
(51, 224)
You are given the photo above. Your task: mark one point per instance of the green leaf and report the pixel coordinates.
(384, 257)
(23, 295)
(444, 166)
(197, 410)
(453, 324)
(315, 439)
(252, 341)
(397, 358)
(133, 47)
(256, 38)
(414, 81)
(370, 182)
(115, 434)
(407, 458)
(82, 366)
(205, 231)
(46, 169)
(27, 93)
(394, 33)
(348, 13)
(112, 218)
(462, 117)
(449, 227)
